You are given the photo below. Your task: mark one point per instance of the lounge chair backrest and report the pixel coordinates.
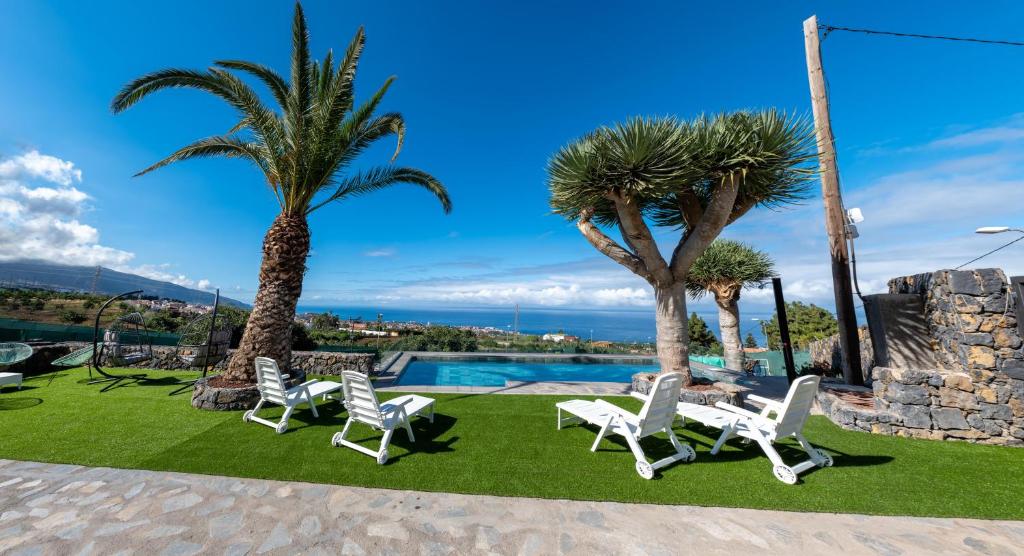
(269, 381)
(360, 399)
(660, 409)
(797, 406)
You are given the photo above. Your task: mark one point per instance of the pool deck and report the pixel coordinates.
(71, 509)
(769, 387)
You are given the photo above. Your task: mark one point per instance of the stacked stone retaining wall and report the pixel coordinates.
(311, 362)
(977, 392)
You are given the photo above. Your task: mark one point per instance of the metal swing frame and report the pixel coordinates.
(99, 347)
(209, 350)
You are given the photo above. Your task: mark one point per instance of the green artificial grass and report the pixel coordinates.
(501, 445)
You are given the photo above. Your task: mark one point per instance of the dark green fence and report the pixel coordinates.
(14, 330)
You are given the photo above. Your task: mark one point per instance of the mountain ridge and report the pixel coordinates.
(50, 275)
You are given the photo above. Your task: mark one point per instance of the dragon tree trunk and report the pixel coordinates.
(673, 334)
(729, 324)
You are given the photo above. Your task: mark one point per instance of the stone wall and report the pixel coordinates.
(976, 393)
(825, 354)
(972, 324)
(312, 362)
(940, 404)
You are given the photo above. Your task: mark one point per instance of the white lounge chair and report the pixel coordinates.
(777, 420)
(656, 416)
(363, 407)
(10, 378)
(273, 390)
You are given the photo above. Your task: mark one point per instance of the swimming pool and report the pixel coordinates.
(496, 372)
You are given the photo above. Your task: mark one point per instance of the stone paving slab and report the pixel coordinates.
(67, 509)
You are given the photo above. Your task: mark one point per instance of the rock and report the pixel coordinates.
(949, 418)
(976, 339)
(992, 280)
(913, 416)
(996, 411)
(910, 376)
(906, 394)
(1013, 367)
(967, 435)
(965, 281)
(966, 304)
(987, 394)
(207, 397)
(994, 304)
(956, 398)
(985, 426)
(1017, 432)
(978, 356)
(959, 381)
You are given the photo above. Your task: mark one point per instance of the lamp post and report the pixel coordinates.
(989, 230)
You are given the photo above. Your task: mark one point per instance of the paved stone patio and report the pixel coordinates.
(67, 509)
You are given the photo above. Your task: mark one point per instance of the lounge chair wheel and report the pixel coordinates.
(690, 453)
(247, 416)
(336, 440)
(826, 457)
(645, 470)
(382, 457)
(281, 427)
(785, 474)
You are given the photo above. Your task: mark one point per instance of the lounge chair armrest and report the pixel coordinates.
(765, 401)
(617, 410)
(639, 396)
(739, 411)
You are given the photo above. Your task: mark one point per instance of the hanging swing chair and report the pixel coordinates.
(125, 342)
(204, 342)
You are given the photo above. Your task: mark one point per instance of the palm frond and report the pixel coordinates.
(277, 85)
(387, 176)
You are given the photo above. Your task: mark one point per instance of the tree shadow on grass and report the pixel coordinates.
(13, 404)
(426, 433)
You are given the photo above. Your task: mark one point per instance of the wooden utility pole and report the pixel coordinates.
(835, 216)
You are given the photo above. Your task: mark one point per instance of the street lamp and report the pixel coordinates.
(997, 230)
(989, 230)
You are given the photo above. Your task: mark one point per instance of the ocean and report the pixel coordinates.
(617, 326)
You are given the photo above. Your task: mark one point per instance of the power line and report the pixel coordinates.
(829, 28)
(1003, 246)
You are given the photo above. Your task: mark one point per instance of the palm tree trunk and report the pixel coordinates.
(269, 330)
(729, 324)
(673, 335)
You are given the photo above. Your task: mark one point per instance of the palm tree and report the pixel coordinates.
(725, 268)
(697, 176)
(305, 151)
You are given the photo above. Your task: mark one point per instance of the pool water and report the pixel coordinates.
(496, 373)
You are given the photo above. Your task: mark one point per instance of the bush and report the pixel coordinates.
(438, 338)
(300, 338)
(70, 316)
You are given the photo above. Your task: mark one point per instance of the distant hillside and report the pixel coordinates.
(80, 278)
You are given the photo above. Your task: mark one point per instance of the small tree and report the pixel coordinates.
(697, 177)
(702, 340)
(807, 323)
(724, 270)
(326, 321)
(749, 341)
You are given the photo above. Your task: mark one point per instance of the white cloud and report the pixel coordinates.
(384, 252)
(42, 222)
(45, 167)
(203, 284)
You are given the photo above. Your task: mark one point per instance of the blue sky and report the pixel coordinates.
(929, 137)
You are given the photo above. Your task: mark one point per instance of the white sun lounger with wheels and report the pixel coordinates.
(10, 378)
(363, 407)
(656, 416)
(273, 390)
(776, 421)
